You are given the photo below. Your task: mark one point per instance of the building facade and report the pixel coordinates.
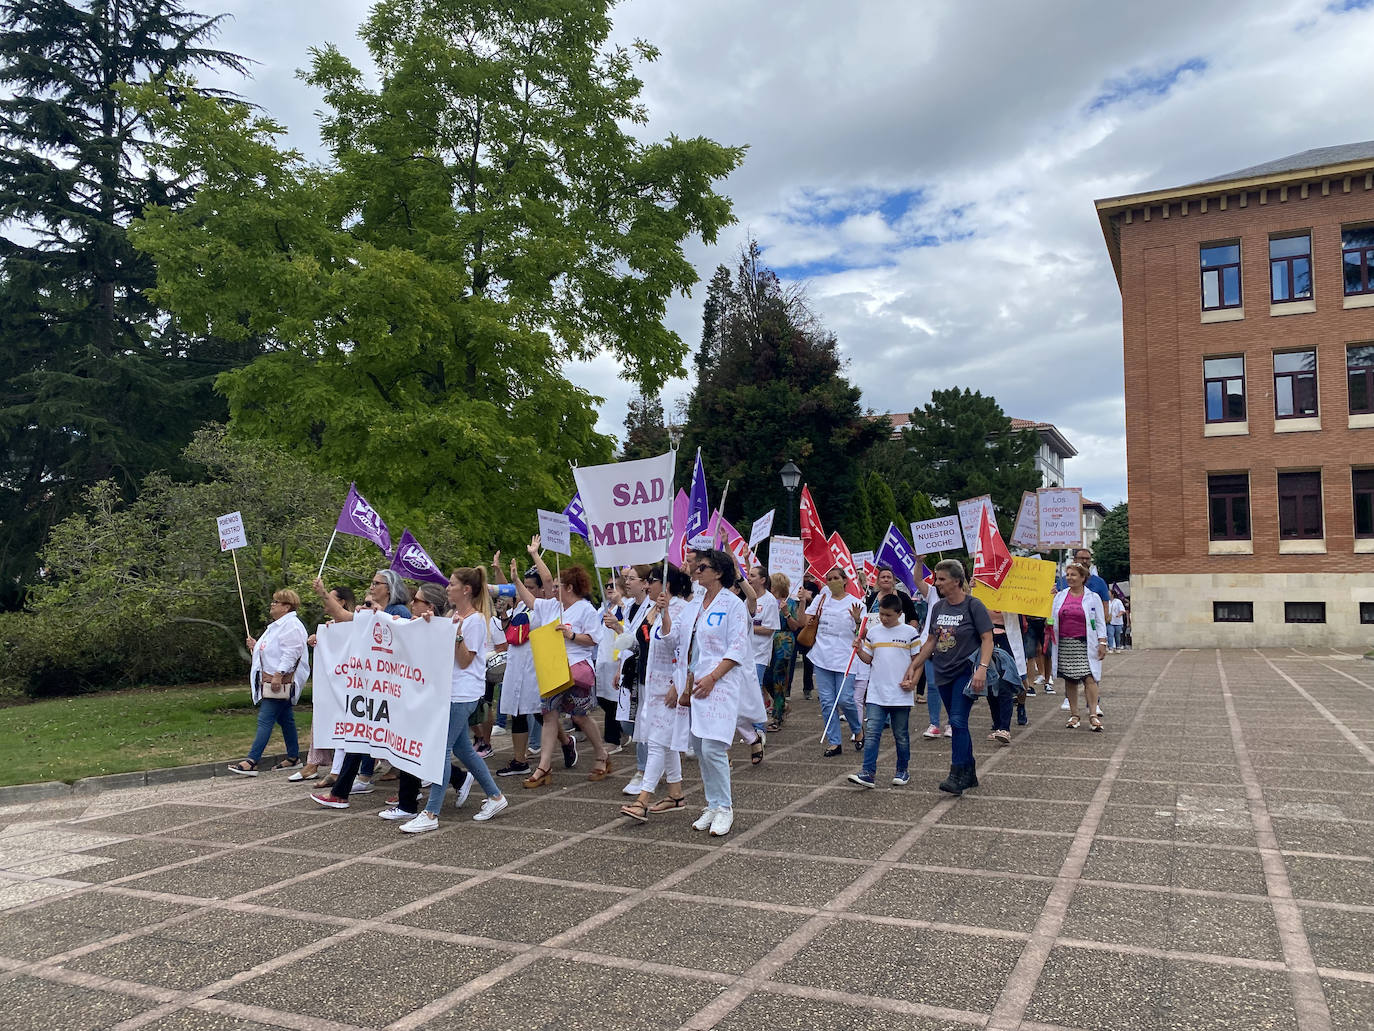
(1094, 515)
(1248, 337)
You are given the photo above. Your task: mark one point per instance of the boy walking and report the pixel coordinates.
(887, 648)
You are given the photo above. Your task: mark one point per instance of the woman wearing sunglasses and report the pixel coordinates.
(838, 617)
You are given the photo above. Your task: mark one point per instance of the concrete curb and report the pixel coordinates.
(15, 794)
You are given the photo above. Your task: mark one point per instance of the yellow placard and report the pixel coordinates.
(1028, 589)
(550, 650)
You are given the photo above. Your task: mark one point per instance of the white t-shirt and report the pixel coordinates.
(892, 649)
(765, 615)
(835, 634)
(470, 684)
(584, 620)
(1116, 612)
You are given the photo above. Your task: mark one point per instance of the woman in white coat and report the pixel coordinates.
(281, 667)
(722, 667)
(1080, 642)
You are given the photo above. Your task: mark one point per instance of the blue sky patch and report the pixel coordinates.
(1141, 83)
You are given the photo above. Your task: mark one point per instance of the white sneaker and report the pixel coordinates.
(362, 787)
(704, 821)
(689, 754)
(949, 730)
(396, 813)
(932, 731)
(1039, 682)
(635, 786)
(1049, 688)
(490, 807)
(498, 730)
(423, 822)
(724, 820)
(464, 789)
(1064, 705)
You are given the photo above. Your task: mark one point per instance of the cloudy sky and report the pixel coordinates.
(928, 169)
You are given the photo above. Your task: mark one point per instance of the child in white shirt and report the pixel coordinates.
(887, 649)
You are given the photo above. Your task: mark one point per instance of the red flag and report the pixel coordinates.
(991, 559)
(870, 573)
(815, 546)
(841, 557)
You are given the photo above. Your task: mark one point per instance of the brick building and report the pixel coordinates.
(1248, 334)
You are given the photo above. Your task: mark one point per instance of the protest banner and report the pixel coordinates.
(1025, 532)
(1028, 588)
(555, 531)
(897, 553)
(392, 701)
(414, 563)
(932, 535)
(1060, 516)
(231, 532)
(629, 509)
(332, 643)
(969, 510)
(763, 526)
(787, 556)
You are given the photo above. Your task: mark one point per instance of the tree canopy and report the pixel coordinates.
(1112, 551)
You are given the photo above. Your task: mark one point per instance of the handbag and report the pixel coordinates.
(496, 661)
(806, 636)
(275, 685)
(518, 629)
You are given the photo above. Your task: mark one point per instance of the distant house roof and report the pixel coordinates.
(1345, 159)
(1096, 506)
(1049, 433)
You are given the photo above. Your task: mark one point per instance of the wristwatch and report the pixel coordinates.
(460, 639)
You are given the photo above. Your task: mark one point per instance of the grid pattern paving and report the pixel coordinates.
(1206, 862)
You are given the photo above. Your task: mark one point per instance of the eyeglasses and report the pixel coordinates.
(380, 583)
(702, 567)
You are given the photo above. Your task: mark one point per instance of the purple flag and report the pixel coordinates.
(577, 516)
(360, 519)
(414, 563)
(698, 510)
(896, 552)
(676, 545)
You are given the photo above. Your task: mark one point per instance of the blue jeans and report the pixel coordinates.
(958, 704)
(713, 760)
(460, 743)
(829, 685)
(272, 711)
(1000, 706)
(878, 717)
(932, 694)
(1114, 635)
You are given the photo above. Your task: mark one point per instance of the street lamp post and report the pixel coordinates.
(791, 479)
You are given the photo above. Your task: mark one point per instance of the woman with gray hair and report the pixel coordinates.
(960, 647)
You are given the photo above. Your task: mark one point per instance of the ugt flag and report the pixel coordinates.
(414, 563)
(577, 519)
(896, 552)
(359, 519)
(698, 510)
(629, 509)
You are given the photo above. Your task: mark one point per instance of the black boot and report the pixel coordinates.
(954, 782)
(970, 776)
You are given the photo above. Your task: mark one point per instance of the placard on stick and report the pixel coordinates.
(231, 532)
(555, 532)
(763, 526)
(970, 511)
(932, 535)
(1060, 516)
(1025, 533)
(786, 556)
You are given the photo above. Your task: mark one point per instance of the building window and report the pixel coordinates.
(1228, 506)
(1362, 486)
(1300, 506)
(1304, 612)
(1223, 381)
(1295, 384)
(1233, 612)
(1359, 375)
(1367, 612)
(1290, 268)
(1221, 276)
(1357, 259)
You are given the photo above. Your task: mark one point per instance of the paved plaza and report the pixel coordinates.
(1206, 862)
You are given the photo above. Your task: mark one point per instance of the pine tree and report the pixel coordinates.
(646, 433)
(883, 506)
(96, 381)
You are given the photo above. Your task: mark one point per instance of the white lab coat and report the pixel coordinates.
(1092, 609)
(722, 632)
(520, 687)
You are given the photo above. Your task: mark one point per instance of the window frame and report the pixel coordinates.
(1296, 499)
(1367, 374)
(1219, 492)
(1288, 261)
(1366, 263)
(1291, 610)
(1244, 612)
(1223, 380)
(1295, 377)
(1362, 489)
(1220, 271)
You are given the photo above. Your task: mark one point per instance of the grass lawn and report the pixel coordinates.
(139, 729)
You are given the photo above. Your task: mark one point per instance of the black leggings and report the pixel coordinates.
(612, 734)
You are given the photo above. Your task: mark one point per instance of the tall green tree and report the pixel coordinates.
(883, 506)
(96, 381)
(488, 212)
(772, 389)
(961, 445)
(1112, 551)
(646, 431)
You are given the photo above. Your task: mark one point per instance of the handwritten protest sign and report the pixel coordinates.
(1060, 516)
(555, 531)
(787, 556)
(970, 511)
(1028, 588)
(763, 526)
(932, 535)
(1025, 532)
(231, 532)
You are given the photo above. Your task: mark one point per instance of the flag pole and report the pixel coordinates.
(234, 555)
(326, 552)
(720, 510)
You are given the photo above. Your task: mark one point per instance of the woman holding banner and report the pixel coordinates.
(581, 626)
(838, 617)
(276, 679)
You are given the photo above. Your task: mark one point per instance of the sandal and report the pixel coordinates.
(540, 778)
(328, 780)
(1095, 722)
(756, 751)
(308, 772)
(288, 764)
(1073, 723)
(601, 770)
(669, 804)
(775, 726)
(831, 752)
(636, 811)
(244, 768)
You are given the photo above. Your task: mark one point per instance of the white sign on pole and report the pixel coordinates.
(763, 526)
(1060, 516)
(1025, 533)
(786, 556)
(932, 535)
(628, 508)
(555, 532)
(860, 557)
(970, 511)
(231, 533)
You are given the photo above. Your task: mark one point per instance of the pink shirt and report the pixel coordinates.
(1072, 620)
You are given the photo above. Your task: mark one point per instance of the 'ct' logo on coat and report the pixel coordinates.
(715, 618)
